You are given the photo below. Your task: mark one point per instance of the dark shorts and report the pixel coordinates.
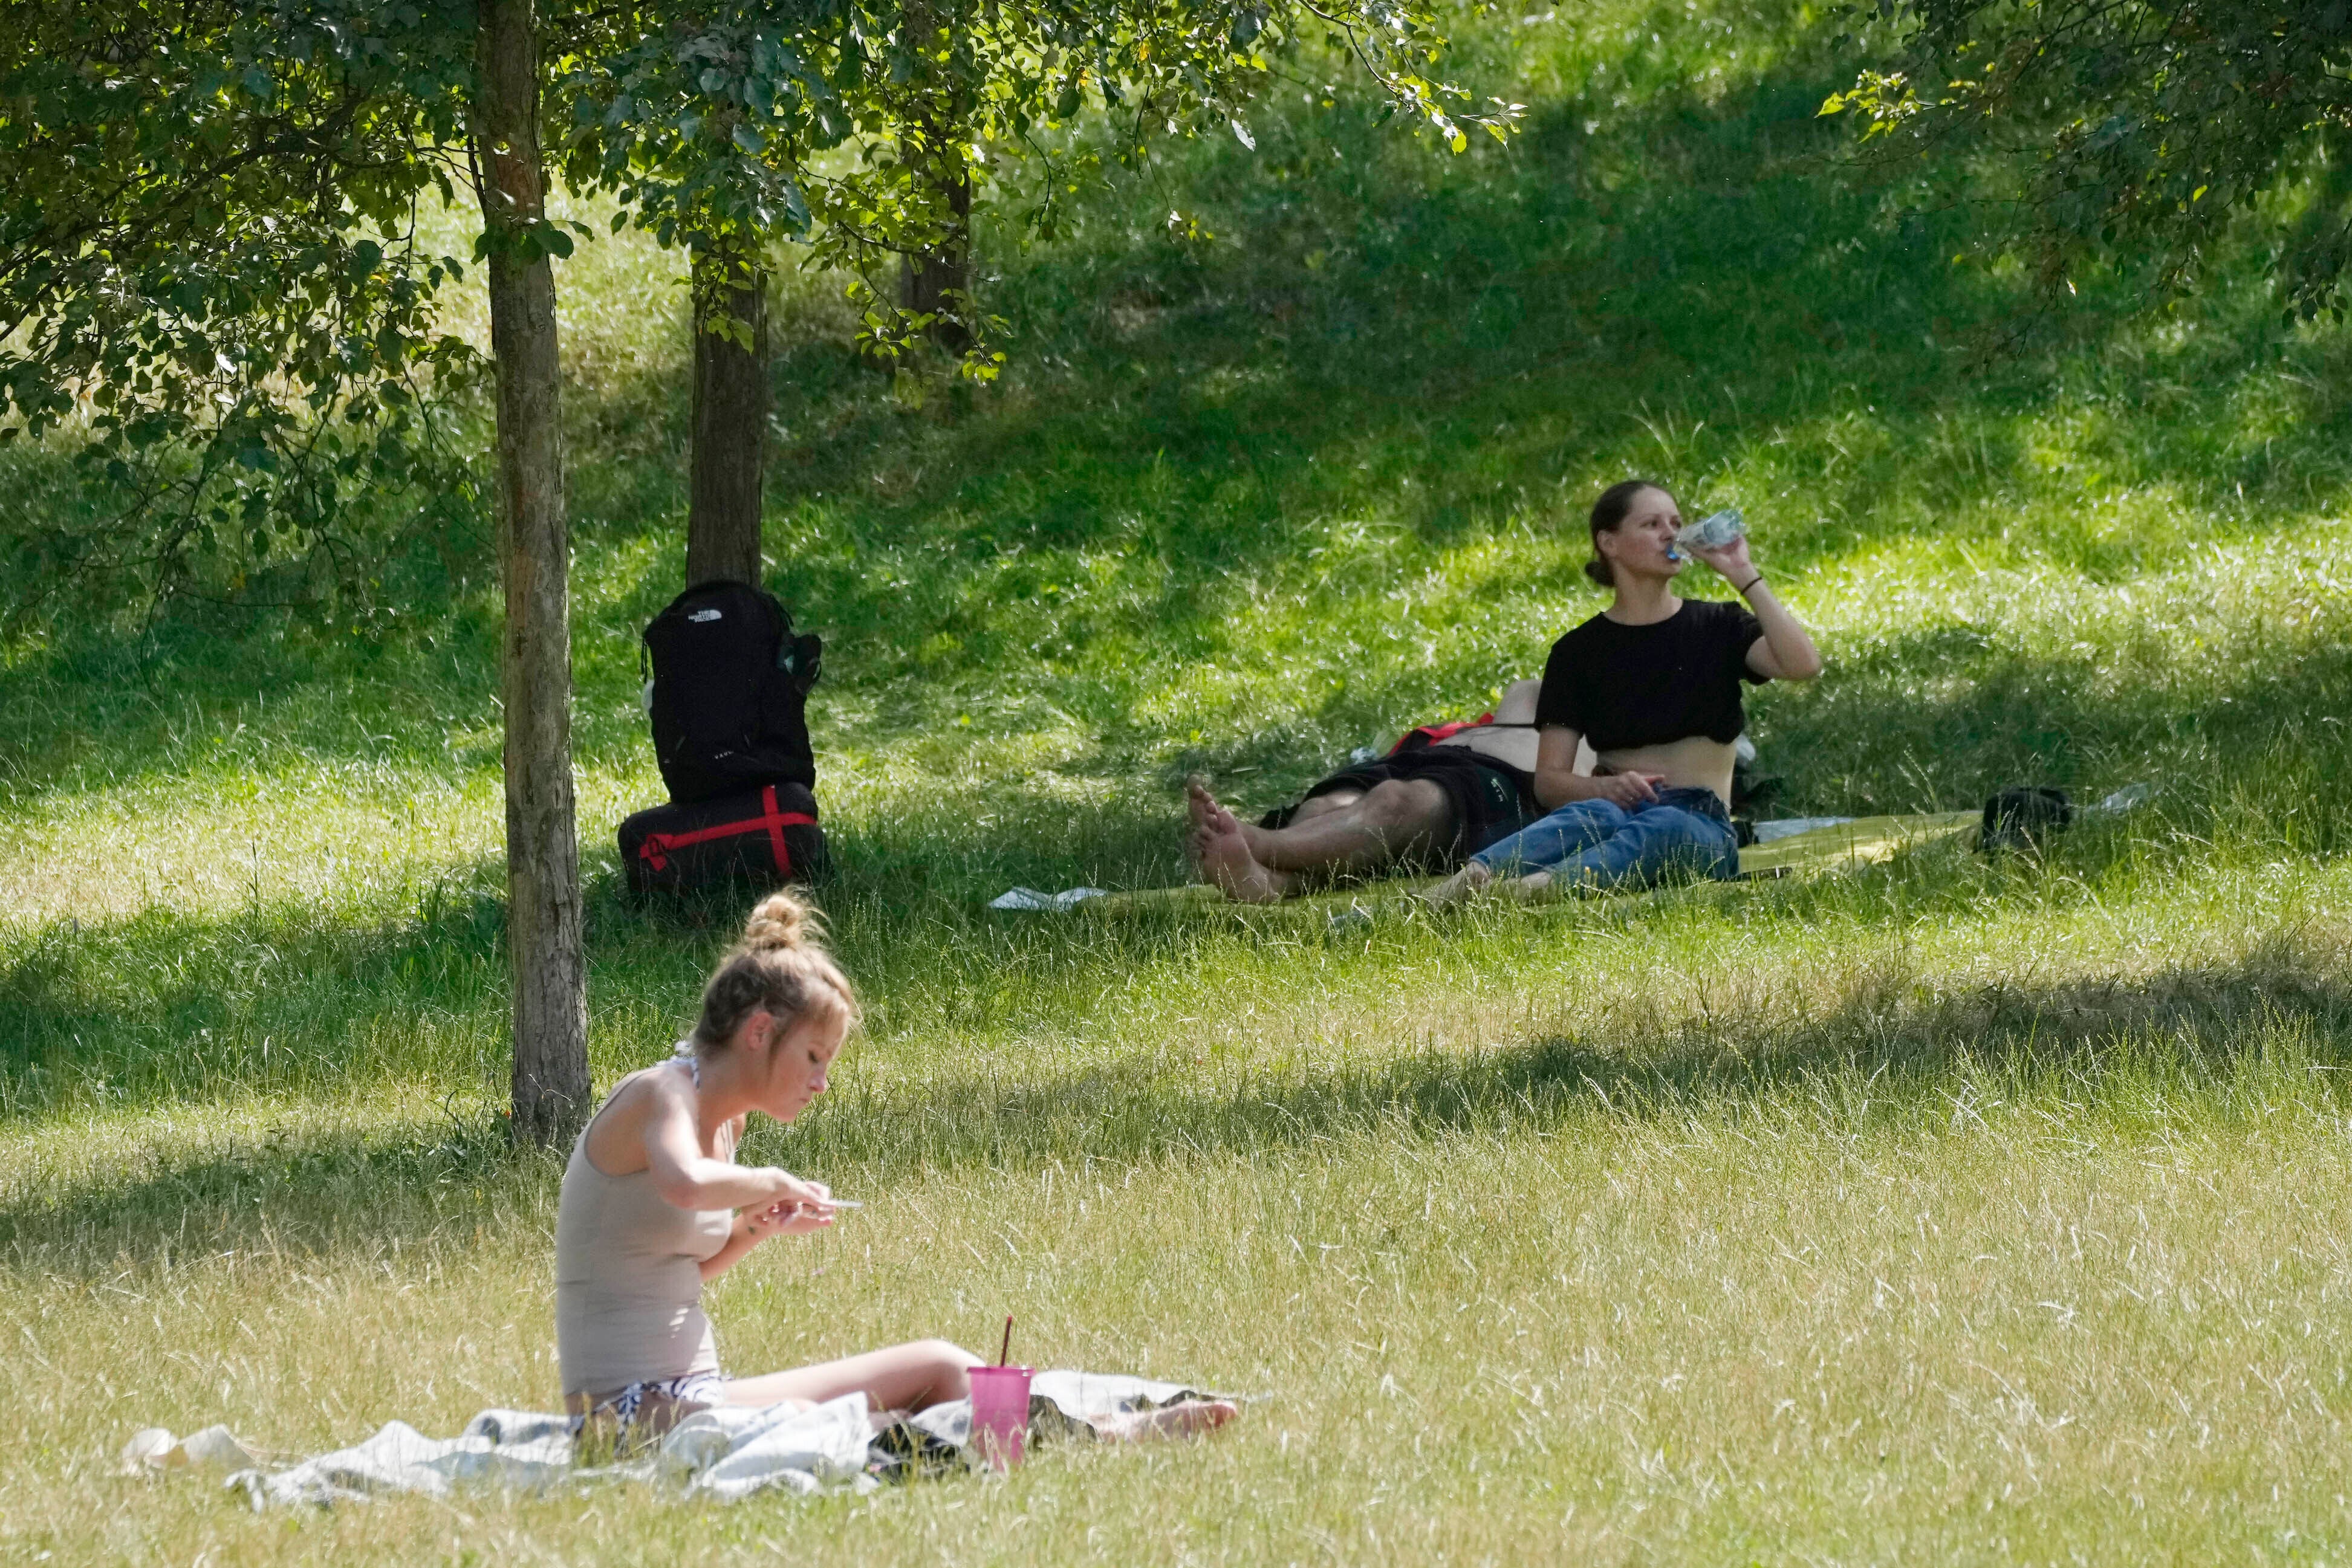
(1489, 800)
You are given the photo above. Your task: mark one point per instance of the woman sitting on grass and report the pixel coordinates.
(654, 1204)
(1652, 682)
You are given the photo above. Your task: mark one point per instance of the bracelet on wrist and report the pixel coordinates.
(1751, 583)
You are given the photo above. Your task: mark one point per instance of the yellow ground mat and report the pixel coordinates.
(1840, 846)
(1843, 845)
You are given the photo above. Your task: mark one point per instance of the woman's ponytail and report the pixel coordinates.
(780, 921)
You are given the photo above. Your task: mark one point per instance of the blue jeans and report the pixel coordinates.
(1597, 843)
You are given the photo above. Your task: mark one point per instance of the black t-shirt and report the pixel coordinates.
(1622, 687)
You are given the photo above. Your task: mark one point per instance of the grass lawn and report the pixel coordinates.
(1938, 1210)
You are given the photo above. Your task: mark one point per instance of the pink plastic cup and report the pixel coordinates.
(999, 1413)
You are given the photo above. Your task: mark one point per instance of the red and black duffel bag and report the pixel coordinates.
(763, 838)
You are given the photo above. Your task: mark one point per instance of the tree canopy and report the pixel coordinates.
(711, 125)
(209, 255)
(2133, 128)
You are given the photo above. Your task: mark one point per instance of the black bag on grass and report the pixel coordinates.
(729, 694)
(2021, 819)
(764, 838)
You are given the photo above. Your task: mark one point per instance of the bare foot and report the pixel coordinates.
(1467, 883)
(1204, 809)
(1200, 811)
(1188, 1420)
(1199, 804)
(1224, 856)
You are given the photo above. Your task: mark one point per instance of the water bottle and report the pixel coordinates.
(1710, 532)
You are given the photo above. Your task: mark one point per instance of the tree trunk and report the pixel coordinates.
(939, 282)
(550, 1085)
(730, 415)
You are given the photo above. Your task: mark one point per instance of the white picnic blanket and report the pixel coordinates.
(725, 1453)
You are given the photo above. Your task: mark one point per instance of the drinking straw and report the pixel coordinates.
(1005, 1357)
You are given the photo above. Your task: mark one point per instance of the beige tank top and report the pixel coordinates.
(628, 1284)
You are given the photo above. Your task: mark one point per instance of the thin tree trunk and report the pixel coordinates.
(939, 282)
(730, 415)
(550, 1085)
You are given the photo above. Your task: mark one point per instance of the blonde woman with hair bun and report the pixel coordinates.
(654, 1204)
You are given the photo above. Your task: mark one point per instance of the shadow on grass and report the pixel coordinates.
(1889, 1048)
(1939, 718)
(306, 1185)
(1889, 1052)
(174, 1009)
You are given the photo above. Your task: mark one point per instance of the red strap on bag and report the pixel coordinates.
(1431, 734)
(654, 850)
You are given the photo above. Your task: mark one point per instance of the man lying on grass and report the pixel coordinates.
(1430, 806)
(654, 1204)
(1653, 683)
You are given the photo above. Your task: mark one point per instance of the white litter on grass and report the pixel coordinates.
(155, 1450)
(2129, 798)
(1037, 902)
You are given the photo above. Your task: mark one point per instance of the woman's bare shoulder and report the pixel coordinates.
(616, 1136)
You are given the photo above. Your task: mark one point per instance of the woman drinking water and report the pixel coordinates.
(654, 1205)
(1652, 682)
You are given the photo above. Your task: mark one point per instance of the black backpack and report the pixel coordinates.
(729, 693)
(2023, 818)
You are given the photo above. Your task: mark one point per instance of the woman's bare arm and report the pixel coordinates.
(686, 1177)
(1786, 651)
(754, 1225)
(1558, 782)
